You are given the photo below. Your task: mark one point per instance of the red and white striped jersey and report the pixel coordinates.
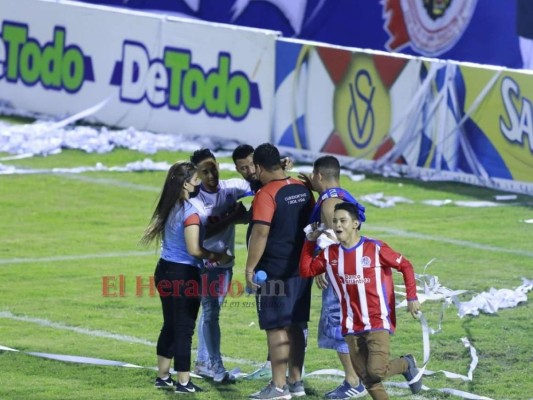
(362, 279)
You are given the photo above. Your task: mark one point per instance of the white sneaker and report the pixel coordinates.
(203, 369)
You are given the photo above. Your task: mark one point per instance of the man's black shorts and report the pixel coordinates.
(284, 302)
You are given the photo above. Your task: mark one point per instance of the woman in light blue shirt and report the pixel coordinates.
(176, 223)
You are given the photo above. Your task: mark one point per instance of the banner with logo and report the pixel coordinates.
(480, 31)
(148, 71)
(425, 118)
(496, 141)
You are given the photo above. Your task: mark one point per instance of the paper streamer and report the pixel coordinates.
(236, 372)
(487, 302)
(495, 299)
(74, 359)
(45, 138)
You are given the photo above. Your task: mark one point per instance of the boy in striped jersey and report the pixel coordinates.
(325, 180)
(360, 271)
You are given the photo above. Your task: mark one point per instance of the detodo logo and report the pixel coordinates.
(55, 65)
(176, 82)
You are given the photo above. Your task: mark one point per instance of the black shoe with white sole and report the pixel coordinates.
(188, 388)
(164, 383)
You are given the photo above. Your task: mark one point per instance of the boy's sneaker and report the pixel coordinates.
(347, 391)
(164, 383)
(265, 372)
(188, 388)
(297, 389)
(411, 373)
(221, 374)
(273, 393)
(203, 369)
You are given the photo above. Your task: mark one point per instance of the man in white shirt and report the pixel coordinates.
(219, 211)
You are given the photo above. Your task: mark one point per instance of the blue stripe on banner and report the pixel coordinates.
(460, 90)
(286, 58)
(287, 139)
(425, 150)
(255, 98)
(486, 153)
(440, 78)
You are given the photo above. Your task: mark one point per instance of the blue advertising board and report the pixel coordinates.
(480, 31)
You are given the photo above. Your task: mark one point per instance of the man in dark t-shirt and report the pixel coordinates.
(281, 210)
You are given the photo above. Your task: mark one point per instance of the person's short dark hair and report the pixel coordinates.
(267, 156)
(241, 152)
(356, 211)
(328, 166)
(200, 155)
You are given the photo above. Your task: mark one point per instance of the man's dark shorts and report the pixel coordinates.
(284, 302)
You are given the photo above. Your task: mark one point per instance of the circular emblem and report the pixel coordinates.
(431, 27)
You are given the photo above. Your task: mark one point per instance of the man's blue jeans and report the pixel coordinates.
(214, 290)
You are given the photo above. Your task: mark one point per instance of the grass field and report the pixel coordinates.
(61, 234)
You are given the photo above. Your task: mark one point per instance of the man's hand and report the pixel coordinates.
(413, 306)
(226, 258)
(306, 180)
(239, 214)
(315, 233)
(321, 281)
(250, 284)
(286, 164)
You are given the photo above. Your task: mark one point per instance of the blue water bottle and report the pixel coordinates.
(259, 278)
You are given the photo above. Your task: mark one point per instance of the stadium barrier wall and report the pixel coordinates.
(150, 71)
(427, 118)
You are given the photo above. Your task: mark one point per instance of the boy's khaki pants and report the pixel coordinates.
(370, 354)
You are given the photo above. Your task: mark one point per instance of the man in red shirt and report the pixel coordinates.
(281, 210)
(360, 271)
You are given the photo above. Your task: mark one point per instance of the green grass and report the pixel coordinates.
(48, 218)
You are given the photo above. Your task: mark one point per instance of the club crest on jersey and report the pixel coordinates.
(430, 27)
(365, 262)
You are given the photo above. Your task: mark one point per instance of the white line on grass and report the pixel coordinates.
(395, 232)
(5, 261)
(462, 243)
(100, 334)
(111, 182)
(84, 331)
(76, 257)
